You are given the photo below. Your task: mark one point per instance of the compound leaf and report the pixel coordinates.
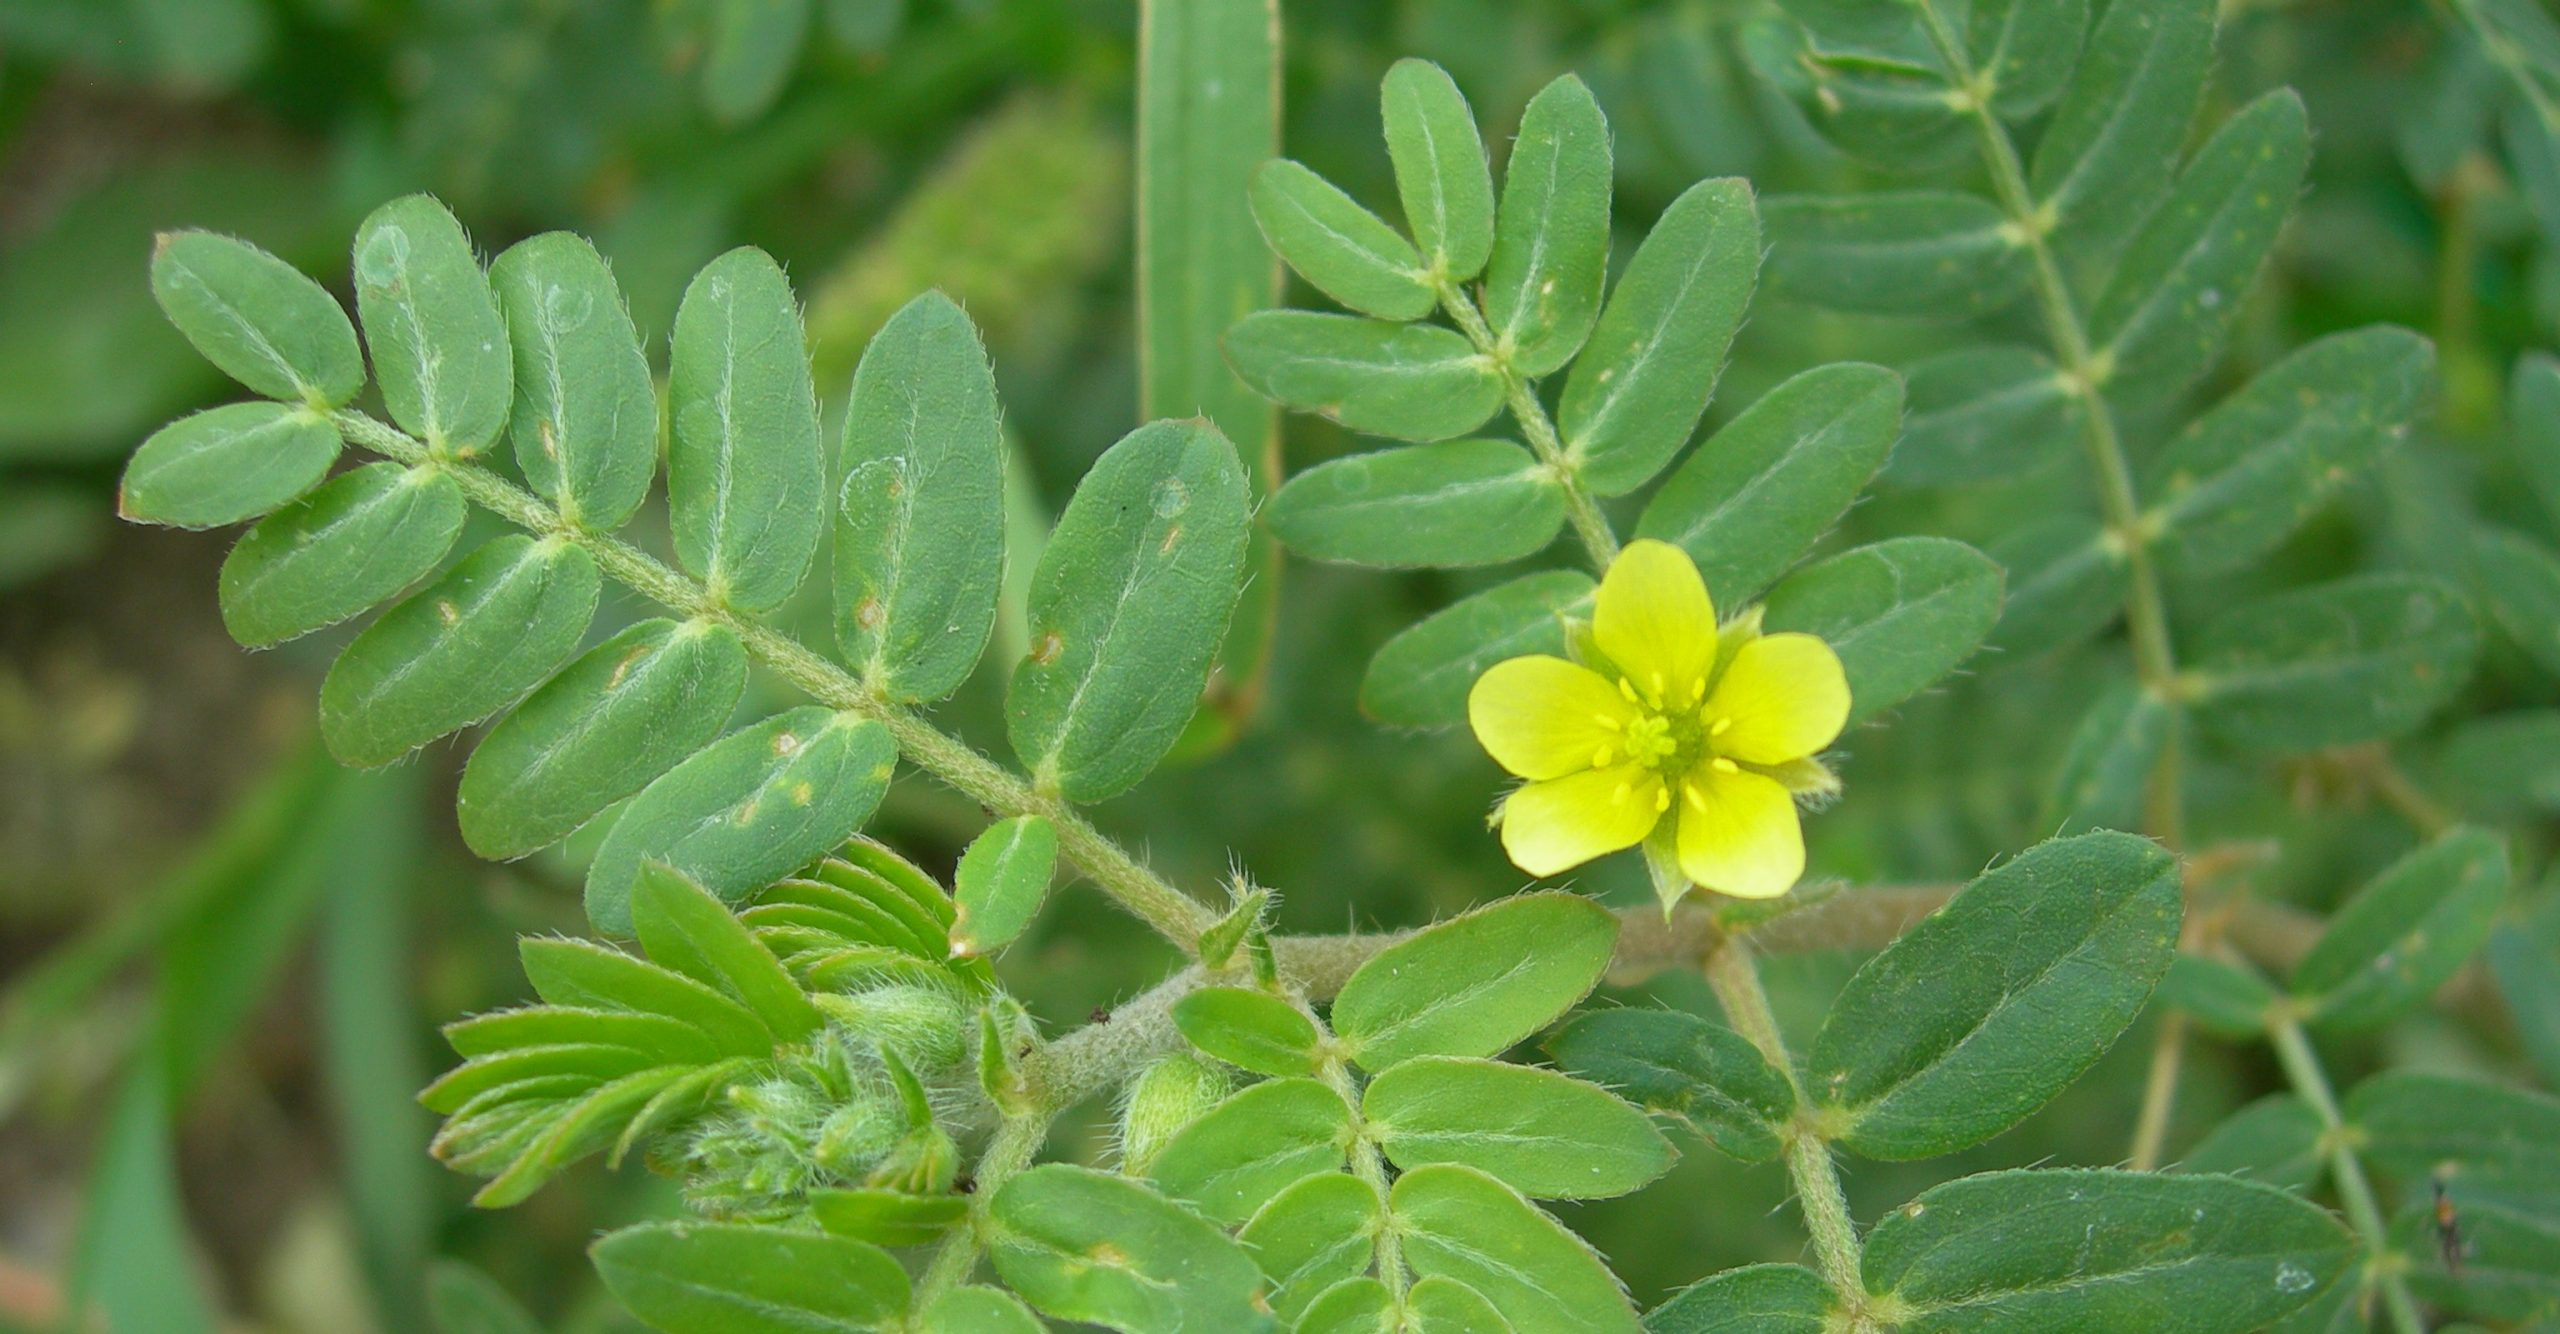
(1545, 1135)
(1087, 1245)
(1901, 613)
(1254, 1030)
(694, 1276)
(1942, 254)
(1252, 1145)
(1551, 234)
(2108, 153)
(1441, 174)
(1755, 1299)
(1345, 250)
(2352, 660)
(1421, 677)
(1407, 381)
(1001, 881)
(1681, 1065)
(1459, 1224)
(2406, 933)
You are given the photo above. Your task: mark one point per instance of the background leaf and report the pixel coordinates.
(2347, 661)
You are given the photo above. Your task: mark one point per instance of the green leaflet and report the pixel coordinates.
(2533, 409)
(2066, 583)
(1421, 677)
(1442, 1305)
(2027, 47)
(1000, 884)
(353, 543)
(439, 347)
(919, 548)
(2518, 580)
(1749, 501)
(1977, 1016)
(263, 321)
(1461, 1225)
(2224, 999)
(2033, 1251)
(2242, 477)
(1250, 1147)
(586, 413)
(1980, 414)
(2171, 298)
(1755, 1299)
(1684, 1066)
(1407, 381)
(1313, 1235)
(2275, 1140)
(625, 712)
(887, 1217)
(1638, 390)
(744, 480)
(583, 974)
(975, 1310)
(1440, 167)
(751, 1280)
(747, 810)
(2504, 766)
(226, 465)
(1253, 1030)
(1345, 250)
(2110, 761)
(1936, 253)
(1901, 613)
(1545, 1135)
(1086, 1245)
(1476, 983)
(2351, 660)
(2109, 151)
(687, 930)
(1551, 234)
(475, 641)
(1127, 607)
(1357, 1305)
(750, 51)
(1456, 503)
(1886, 108)
(2418, 1125)
(2406, 933)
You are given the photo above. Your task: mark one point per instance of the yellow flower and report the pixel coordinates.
(1669, 734)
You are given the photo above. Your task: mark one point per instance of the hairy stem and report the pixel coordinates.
(2382, 1265)
(1016, 1140)
(1589, 523)
(2159, 1093)
(1176, 915)
(1735, 976)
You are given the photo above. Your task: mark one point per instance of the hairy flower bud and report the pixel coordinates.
(1166, 1097)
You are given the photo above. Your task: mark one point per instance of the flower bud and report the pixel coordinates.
(1166, 1097)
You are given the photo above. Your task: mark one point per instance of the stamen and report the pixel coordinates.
(1724, 766)
(1608, 721)
(1628, 689)
(1697, 796)
(1600, 757)
(1719, 727)
(1697, 690)
(1661, 800)
(1625, 790)
(1657, 690)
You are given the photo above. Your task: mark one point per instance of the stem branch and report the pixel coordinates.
(1016, 1141)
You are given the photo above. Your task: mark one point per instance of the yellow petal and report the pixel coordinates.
(1783, 698)
(1557, 825)
(1652, 619)
(1543, 717)
(1738, 833)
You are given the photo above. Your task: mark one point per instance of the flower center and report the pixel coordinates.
(1669, 736)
